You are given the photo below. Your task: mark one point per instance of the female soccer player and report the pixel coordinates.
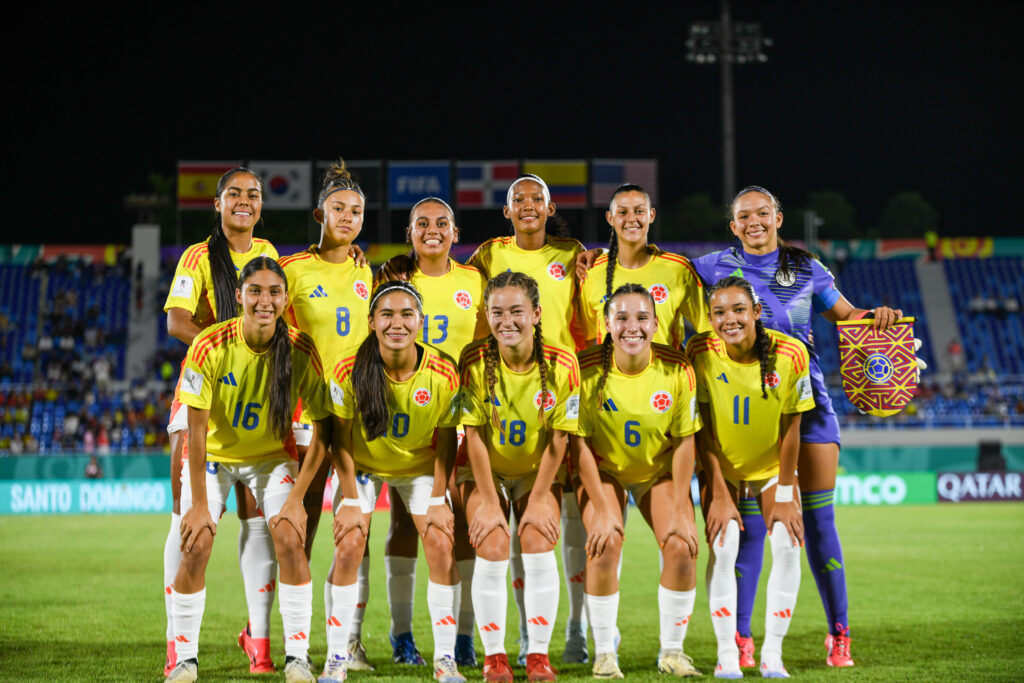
(671, 280)
(396, 408)
(242, 380)
(203, 293)
(791, 285)
(752, 385)
(520, 402)
(636, 435)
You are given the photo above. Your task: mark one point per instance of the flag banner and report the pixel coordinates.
(411, 181)
(879, 368)
(197, 182)
(286, 184)
(607, 174)
(567, 181)
(483, 184)
(366, 173)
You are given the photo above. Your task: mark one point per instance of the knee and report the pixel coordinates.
(350, 549)
(438, 551)
(783, 548)
(726, 547)
(531, 541)
(677, 557)
(607, 563)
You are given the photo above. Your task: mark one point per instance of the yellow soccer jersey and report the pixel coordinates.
(552, 266)
(630, 431)
(328, 301)
(193, 282)
(224, 375)
(453, 304)
(671, 280)
(427, 400)
(517, 451)
(744, 426)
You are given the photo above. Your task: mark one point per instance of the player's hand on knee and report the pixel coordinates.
(543, 518)
(720, 512)
(600, 532)
(685, 530)
(349, 518)
(789, 515)
(488, 517)
(440, 517)
(294, 514)
(192, 523)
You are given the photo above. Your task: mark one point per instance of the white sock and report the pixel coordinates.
(339, 617)
(783, 585)
(604, 612)
(296, 606)
(574, 560)
(722, 592)
(541, 598)
(363, 579)
(515, 558)
(172, 558)
(443, 604)
(401, 588)
(490, 602)
(258, 564)
(674, 609)
(187, 610)
(466, 599)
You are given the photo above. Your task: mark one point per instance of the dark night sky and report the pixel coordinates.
(868, 99)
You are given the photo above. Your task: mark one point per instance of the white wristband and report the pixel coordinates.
(435, 501)
(351, 503)
(783, 494)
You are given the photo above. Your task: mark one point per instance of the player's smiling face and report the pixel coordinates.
(631, 216)
(732, 316)
(756, 223)
(528, 209)
(396, 320)
(632, 323)
(240, 203)
(263, 297)
(511, 316)
(432, 230)
(341, 216)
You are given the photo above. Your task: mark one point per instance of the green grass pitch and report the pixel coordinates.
(936, 592)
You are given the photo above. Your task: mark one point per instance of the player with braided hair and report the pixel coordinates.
(635, 437)
(520, 401)
(752, 384)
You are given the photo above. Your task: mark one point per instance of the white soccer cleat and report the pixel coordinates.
(676, 663)
(771, 666)
(446, 671)
(729, 668)
(606, 665)
(335, 670)
(297, 671)
(357, 660)
(184, 672)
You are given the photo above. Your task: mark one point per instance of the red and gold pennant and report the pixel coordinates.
(878, 367)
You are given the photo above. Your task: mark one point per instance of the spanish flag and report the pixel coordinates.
(197, 182)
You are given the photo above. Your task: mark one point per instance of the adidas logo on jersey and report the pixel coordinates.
(723, 378)
(609, 405)
(318, 292)
(229, 379)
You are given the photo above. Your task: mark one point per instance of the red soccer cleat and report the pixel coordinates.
(538, 668)
(258, 651)
(172, 659)
(746, 647)
(839, 649)
(496, 669)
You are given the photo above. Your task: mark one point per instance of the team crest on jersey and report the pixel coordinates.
(549, 401)
(557, 270)
(463, 299)
(421, 397)
(661, 401)
(361, 290)
(772, 380)
(787, 279)
(659, 292)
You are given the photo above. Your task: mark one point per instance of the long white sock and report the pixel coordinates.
(541, 598)
(604, 612)
(722, 591)
(401, 588)
(339, 617)
(515, 558)
(490, 602)
(258, 564)
(187, 610)
(172, 558)
(674, 610)
(296, 605)
(443, 604)
(783, 586)
(574, 559)
(466, 599)
(363, 580)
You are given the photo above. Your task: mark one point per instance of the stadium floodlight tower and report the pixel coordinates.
(724, 42)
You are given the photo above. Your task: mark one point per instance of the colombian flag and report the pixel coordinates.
(567, 180)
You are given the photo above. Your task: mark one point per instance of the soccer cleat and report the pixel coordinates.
(771, 666)
(446, 671)
(357, 660)
(465, 653)
(606, 665)
(405, 652)
(524, 647)
(746, 648)
(496, 669)
(839, 649)
(538, 668)
(258, 652)
(172, 657)
(184, 672)
(335, 670)
(297, 671)
(676, 663)
(575, 645)
(728, 669)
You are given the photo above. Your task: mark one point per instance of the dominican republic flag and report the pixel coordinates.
(567, 180)
(197, 182)
(287, 184)
(608, 174)
(484, 184)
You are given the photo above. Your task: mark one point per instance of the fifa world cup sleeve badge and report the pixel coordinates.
(879, 367)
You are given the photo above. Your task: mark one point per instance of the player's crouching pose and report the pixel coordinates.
(752, 386)
(520, 402)
(241, 383)
(396, 410)
(635, 435)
